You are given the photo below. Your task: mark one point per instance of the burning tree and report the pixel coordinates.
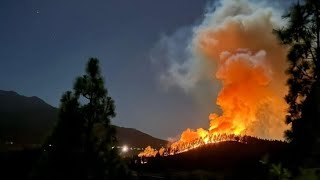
(148, 152)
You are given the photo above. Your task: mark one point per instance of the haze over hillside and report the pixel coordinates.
(27, 120)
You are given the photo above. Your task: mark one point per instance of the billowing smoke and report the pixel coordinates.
(233, 56)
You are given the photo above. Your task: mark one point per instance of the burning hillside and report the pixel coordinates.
(237, 44)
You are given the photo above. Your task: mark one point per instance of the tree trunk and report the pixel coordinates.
(88, 144)
(318, 42)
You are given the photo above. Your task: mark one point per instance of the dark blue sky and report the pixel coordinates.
(45, 44)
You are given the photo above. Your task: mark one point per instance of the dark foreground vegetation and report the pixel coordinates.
(224, 160)
(17, 164)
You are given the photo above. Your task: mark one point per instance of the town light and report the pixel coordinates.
(125, 148)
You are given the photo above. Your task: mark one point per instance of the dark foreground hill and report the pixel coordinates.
(225, 160)
(28, 120)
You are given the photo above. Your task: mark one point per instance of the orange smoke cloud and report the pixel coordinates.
(250, 64)
(235, 48)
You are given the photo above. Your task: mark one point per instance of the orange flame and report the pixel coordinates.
(148, 152)
(250, 64)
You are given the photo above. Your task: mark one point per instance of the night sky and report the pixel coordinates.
(44, 46)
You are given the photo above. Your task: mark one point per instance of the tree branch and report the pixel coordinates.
(304, 73)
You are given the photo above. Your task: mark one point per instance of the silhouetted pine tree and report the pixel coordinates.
(302, 36)
(81, 145)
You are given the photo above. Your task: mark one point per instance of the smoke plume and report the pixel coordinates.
(233, 56)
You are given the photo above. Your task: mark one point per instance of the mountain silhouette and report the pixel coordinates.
(28, 120)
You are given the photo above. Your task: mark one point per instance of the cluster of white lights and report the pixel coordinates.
(125, 148)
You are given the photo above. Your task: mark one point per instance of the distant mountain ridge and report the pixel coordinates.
(10, 99)
(27, 120)
(138, 138)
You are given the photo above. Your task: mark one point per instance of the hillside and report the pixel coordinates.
(24, 120)
(139, 139)
(224, 160)
(27, 120)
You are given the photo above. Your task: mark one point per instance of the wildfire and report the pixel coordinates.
(250, 64)
(209, 138)
(148, 152)
(189, 144)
